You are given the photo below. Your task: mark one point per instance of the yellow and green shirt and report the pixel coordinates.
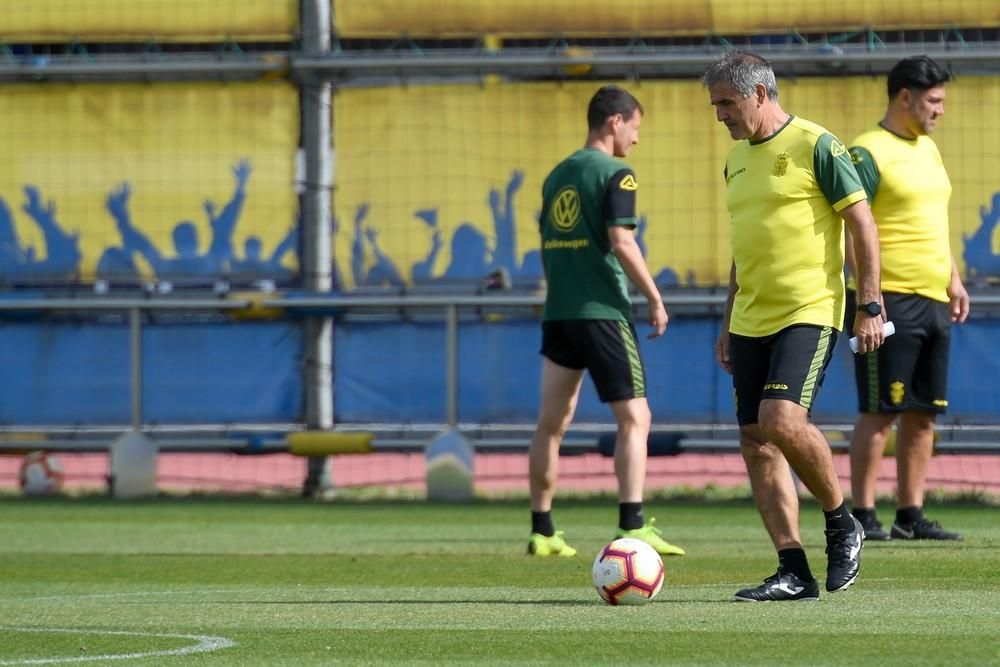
(909, 191)
(784, 194)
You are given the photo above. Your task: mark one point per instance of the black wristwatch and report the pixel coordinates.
(873, 308)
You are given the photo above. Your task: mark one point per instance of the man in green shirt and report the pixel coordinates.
(789, 183)
(589, 253)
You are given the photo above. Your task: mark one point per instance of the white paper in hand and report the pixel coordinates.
(888, 328)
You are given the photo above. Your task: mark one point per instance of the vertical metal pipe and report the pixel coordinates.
(135, 335)
(451, 362)
(317, 253)
(316, 203)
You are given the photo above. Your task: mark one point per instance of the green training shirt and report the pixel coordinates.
(584, 195)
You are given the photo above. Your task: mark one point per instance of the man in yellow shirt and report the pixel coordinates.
(789, 183)
(905, 381)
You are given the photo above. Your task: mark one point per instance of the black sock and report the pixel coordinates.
(541, 523)
(906, 515)
(863, 513)
(794, 561)
(838, 518)
(630, 516)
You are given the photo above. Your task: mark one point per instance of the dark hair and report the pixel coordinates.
(607, 102)
(916, 73)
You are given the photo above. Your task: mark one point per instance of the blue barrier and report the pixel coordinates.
(78, 373)
(394, 372)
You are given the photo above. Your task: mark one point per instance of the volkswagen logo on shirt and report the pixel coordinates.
(565, 213)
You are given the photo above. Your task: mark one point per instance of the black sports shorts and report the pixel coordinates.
(789, 365)
(910, 370)
(607, 349)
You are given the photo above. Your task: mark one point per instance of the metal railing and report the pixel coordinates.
(346, 66)
(270, 437)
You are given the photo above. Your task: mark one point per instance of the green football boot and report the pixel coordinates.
(540, 545)
(650, 534)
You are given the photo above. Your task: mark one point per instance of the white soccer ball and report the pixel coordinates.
(41, 474)
(628, 571)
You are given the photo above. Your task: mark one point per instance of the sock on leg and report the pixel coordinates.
(794, 561)
(864, 513)
(838, 518)
(541, 523)
(630, 516)
(906, 515)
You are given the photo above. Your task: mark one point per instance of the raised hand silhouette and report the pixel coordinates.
(980, 261)
(220, 253)
(421, 272)
(640, 234)
(505, 224)
(117, 263)
(62, 250)
(358, 273)
(384, 272)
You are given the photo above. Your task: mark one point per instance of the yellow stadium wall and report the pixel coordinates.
(402, 150)
(650, 17)
(175, 144)
(250, 20)
(142, 20)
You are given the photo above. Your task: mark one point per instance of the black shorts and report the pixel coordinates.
(607, 349)
(789, 365)
(910, 370)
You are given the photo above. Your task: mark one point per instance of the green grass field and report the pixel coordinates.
(253, 581)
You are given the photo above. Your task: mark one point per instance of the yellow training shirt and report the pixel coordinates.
(784, 194)
(909, 191)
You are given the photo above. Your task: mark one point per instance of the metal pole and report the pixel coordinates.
(317, 145)
(316, 201)
(135, 332)
(451, 361)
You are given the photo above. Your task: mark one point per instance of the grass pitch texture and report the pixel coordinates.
(288, 582)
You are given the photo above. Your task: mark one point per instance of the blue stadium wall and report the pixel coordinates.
(391, 372)
(79, 374)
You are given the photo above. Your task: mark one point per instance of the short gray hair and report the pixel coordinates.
(744, 70)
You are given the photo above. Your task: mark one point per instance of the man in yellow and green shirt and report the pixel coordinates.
(905, 381)
(789, 186)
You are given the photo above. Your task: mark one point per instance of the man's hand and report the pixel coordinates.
(959, 300)
(657, 318)
(868, 330)
(722, 356)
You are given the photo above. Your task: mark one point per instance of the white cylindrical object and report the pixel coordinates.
(888, 328)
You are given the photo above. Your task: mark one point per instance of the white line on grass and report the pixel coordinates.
(132, 594)
(206, 644)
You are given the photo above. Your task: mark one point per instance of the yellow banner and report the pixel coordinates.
(186, 182)
(143, 20)
(443, 183)
(669, 17)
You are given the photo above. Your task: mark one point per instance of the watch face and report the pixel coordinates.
(873, 308)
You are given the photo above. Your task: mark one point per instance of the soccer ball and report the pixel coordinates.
(628, 571)
(41, 474)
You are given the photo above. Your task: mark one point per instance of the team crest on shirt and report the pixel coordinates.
(565, 212)
(781, 164)
(896, 392)
(628, 183)
(857, 157)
